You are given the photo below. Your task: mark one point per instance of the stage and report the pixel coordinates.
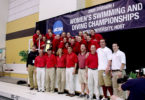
(17, 92)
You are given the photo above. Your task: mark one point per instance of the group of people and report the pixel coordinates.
(98, 66)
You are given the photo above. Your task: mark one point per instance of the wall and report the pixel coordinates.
(22, 8)
(22, 17)
(89, 3)
(52, 8)
(3, 21)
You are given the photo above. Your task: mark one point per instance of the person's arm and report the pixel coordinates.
(86, 64)
(75, 67)
(27, 60)
(123, 61)
(109, 57)
(127, 85)
(35, 62)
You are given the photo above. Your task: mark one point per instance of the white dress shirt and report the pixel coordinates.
(104, 55)
(118, 58)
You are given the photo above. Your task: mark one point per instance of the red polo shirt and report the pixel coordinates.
(74, 47)
(40, 61)
(71, 59)
(92, 61)
(55, 44)
(61, 44)
(50, 61)
(41, 44)
(81, 61)
(88, 45)
(50, 38)
(61, 61)
(77, 47)
(97, 36)
(65, 51)
(35, 36)
(96, 43)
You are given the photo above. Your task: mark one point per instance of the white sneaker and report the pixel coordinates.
(104, 98)
(97, 98)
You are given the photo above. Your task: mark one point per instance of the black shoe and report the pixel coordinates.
(72, 95)
(87, 96)
(38, 90)
(43, 91)
(68, 94)
(81, 95)
(59, 92)
(31, 88)
(62, 92)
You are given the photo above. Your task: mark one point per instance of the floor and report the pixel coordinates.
(9, 88)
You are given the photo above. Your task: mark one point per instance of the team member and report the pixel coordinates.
(65, 51)
(61, 65)
(31, 68)
(92, 70)
(62, 43)
(82, 71)
(118, 66)
(36, 37)
(40, 64)
(73, 45)
(55, 43)
(42, 43)
(50, 71)
(71, 64)
(68, 35)
(63, 35)
(105, 57)
(50, 35)
(96, 36)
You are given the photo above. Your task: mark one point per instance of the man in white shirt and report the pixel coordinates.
(104, 74)
(118, 69)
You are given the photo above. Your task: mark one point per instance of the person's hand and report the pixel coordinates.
(107, 70)
(119, 74)
(27, 68)
(86, 75)
(87, 54)
(74, 71)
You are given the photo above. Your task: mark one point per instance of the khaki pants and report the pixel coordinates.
(118, 93)
(82, 76)
(32, 76)
(61, 79)
(50, 79)
(104, 79)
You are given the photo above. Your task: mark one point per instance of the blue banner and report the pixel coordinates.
(118, 15)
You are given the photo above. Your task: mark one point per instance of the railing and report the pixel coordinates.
(31, 41)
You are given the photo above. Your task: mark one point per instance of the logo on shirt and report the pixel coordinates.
(58, 27)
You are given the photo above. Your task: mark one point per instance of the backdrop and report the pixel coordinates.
(121, 21)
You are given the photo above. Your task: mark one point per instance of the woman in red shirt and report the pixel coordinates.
(61, 65)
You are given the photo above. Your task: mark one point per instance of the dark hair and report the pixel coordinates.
(93, 30)
(69, 47)
(115, 43)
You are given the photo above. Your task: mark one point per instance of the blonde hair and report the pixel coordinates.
(57, 53)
